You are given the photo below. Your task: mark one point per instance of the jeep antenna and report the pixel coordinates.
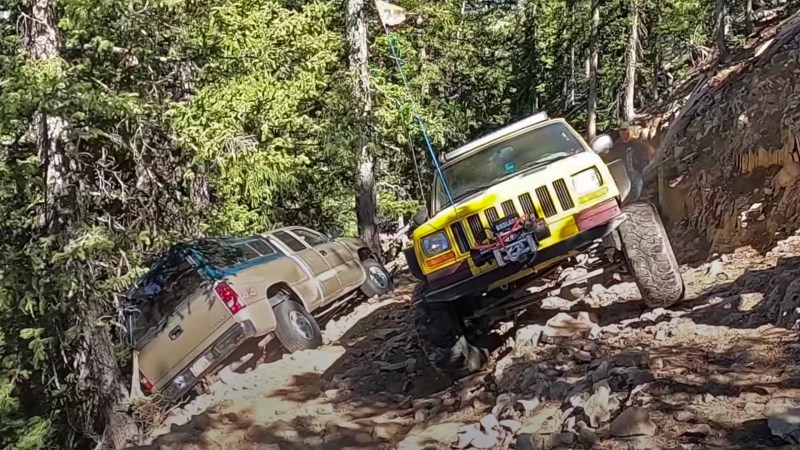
(392, 16)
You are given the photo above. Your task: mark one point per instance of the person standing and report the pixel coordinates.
(636, 154)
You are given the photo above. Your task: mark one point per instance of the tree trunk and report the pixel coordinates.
(748, 17)
(629, 112)
(591, 127)
(42, 39)
(104, 391)
(653, 39)
(99, 382)
(719, 30)
(572, 74)
(366, 194)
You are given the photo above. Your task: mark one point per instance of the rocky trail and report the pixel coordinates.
(597, 370)
(593, 367)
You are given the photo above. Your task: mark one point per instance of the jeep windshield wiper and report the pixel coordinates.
(543, 161)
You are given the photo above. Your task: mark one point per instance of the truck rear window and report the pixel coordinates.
(171, 281)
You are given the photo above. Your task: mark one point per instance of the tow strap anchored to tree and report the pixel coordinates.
(392, 16)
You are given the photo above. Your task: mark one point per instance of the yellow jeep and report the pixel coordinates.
(526, 199)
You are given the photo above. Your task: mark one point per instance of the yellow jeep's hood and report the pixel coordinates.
(510, 188)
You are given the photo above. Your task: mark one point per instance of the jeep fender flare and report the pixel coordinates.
(620, 174)
(413, 263)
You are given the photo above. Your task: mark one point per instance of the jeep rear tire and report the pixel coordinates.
(440, 333)
(649, 256)
(296, 329)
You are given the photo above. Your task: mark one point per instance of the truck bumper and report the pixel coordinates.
(479, 284)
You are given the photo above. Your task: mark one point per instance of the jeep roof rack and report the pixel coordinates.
(516, 126)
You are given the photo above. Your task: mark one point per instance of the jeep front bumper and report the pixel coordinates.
(460, 283)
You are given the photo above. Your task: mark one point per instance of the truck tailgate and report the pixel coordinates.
(184, 337)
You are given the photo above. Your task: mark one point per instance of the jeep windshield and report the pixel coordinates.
(504, 159)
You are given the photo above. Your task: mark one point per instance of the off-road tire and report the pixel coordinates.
(371, 288)
(286, 332)
(440, 333)
(649, 256)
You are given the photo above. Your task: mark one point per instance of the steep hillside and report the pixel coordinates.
(730, 172)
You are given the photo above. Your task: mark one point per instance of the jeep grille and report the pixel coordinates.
(478, 224)
(563, 194)
(548, 207)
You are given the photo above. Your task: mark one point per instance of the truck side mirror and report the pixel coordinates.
(602, 143)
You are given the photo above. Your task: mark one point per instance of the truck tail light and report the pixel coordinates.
(147, 386)
(229, 297)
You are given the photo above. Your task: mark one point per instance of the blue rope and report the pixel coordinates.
(416, 114)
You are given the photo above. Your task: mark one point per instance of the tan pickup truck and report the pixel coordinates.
(202, 299)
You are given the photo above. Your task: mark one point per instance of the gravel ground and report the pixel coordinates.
(716, 371)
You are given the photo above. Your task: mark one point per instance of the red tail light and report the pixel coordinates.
(229, 297)
(145, 383)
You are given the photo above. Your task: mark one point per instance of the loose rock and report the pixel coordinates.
(586, 434)
(564, 325)
(484, 440)
(489, 422)
(633, 421)
(701, 429)
(600, 405)
(783, 418)
(529, 405)
(638, 358)
(582, 355)
(511, 425)
(529, 335)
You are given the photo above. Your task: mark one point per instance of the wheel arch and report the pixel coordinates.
(364, 253)
(274, 288)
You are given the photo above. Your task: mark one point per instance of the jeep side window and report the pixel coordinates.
(290, 241)
(312, 238)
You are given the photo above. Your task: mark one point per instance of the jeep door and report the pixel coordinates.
(320, 268)
(338, 256)
(178, 316)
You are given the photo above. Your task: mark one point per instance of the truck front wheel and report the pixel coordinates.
(649, 256)
(441, 335)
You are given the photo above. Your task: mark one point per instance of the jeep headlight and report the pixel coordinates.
(436, 243)
(586, 181)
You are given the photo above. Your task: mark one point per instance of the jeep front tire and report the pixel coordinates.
(441, 336)
(649, 256)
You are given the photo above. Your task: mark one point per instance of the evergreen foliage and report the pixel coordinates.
(197, 117)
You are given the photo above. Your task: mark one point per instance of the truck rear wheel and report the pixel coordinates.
(379, 280)
(440, 333)
(296, 329)
(649, 256)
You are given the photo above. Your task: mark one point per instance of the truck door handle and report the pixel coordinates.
(175, 332)
(323, 253)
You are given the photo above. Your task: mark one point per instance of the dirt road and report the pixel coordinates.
(714, 371)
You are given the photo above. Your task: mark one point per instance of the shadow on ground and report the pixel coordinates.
(721, 361)
(722, 368)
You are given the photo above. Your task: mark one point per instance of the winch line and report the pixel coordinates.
(438, 167)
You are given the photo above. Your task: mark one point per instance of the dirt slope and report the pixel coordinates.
(706, 373)
(731, 175)
(719, 370)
